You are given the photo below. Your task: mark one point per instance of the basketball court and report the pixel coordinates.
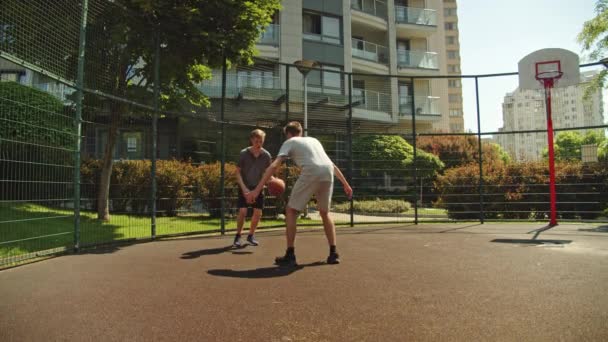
(396, 283)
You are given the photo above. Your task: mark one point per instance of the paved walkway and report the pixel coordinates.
(396, 283)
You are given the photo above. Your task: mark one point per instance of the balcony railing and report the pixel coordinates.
(370, 51)
(372, 100)
(271, 36)
(416, 16)
(374, 7)
(423, 105)
(249, 86)
(417, 59)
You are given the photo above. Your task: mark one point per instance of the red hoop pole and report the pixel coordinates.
(548, 84)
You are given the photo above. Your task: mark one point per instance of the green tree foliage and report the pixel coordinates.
(392, 154)
(461, 150)
(594, 38)
(567, 145)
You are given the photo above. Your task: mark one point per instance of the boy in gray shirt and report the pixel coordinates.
(316, 178)
(253, 161)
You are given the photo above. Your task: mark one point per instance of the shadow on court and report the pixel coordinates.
(264, 272)
(215, 251)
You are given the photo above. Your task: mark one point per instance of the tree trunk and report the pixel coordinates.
(103, 202)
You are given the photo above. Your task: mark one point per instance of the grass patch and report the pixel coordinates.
(378, 206)
(29, 228)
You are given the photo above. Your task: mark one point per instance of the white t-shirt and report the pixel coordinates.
(308, 153)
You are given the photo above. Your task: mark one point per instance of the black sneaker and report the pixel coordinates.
(333, 258)
(286, 261)
(252, 241)
(237, 241)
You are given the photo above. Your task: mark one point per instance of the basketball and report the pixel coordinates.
(276, 186)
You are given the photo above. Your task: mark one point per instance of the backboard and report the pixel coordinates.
(561, 64)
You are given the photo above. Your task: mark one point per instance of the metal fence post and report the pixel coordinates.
(481, 209)
(78, 121)
(155, 132)
(350, 145)
(414, 145)
(223, 151)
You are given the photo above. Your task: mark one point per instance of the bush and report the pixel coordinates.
(520, 190)
(207, 186)
(36, 145)
(131, 185)
(377, 206)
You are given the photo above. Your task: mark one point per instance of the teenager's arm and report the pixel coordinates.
(347, 189)
(267, 174)
(239, 180)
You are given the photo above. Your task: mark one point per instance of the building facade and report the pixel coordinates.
(524, 110)
(371, 39)
(452, 45)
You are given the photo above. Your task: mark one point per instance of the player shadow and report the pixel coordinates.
(600, 229)
(215, 251)
(264, 272)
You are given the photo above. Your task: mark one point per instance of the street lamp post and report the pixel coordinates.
(304, 67)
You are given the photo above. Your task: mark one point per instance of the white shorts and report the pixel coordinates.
(303, 190)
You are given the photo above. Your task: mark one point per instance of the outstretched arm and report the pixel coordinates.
(347, 189)
(267, 174)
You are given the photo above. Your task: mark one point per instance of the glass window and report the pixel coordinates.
(331, 27)
(332, 79)
(311, 23)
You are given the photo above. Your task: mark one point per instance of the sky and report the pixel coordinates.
(495, 35)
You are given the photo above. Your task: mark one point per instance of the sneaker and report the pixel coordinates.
(286, 261)
(252, 241)
(237, 241)
(333, 258)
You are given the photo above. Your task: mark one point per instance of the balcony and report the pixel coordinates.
(369, 51)
(252, 87)
(372, 7)
(271, 36)
(372, 105)
(415, 22)
(372, 100)
(415, 16)
(427, 107)
(417, 59)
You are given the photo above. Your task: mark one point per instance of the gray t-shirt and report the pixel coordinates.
(308, 153)
(252, 168)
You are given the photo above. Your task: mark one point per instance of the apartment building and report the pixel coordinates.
(524, 110)
(371, 39)
(452, 45)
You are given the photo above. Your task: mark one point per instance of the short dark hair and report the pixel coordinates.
(294, 128)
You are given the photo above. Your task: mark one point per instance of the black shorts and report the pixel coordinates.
(259, 201)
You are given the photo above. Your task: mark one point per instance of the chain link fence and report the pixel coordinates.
(88, 156)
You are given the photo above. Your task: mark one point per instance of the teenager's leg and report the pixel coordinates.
(291, 216)
(240, 220)
(329, 227)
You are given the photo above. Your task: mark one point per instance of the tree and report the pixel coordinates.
(461, 150)
(194, 37)
(567, 145)
(392, 154)
(594, 38)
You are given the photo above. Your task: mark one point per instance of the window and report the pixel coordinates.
(449, 11)
(455, 112)
(454, 98)
(321, 28)
(450, 40)
(14, 76)
(452, 54)
(329, 82)
(454, 68)
(450, 26)
(454, 84)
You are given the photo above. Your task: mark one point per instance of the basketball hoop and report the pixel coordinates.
(541, 70)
